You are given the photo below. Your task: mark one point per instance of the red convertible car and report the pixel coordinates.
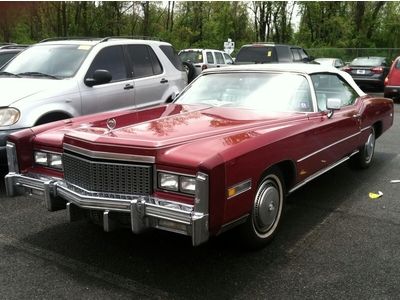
(224, 154)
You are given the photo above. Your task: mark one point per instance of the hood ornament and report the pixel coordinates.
(111, 123)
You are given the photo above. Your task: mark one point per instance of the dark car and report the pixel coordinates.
(8, 51)
(368, 71)
(262, 53)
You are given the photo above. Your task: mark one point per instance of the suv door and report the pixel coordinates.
(150, 83)
(219, 59)
(118, 93)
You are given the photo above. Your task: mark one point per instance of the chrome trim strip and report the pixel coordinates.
(322, 171)
(242, 187)
(333, 144)
(112, 156)
(12, 160)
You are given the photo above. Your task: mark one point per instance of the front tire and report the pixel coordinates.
(266, 214)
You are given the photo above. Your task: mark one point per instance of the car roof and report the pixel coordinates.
(198, 50)
(282, 67)
(260, 44)
(300, 68)
(95, 41)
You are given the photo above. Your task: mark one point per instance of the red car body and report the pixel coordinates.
(224, 151)
(392, 81)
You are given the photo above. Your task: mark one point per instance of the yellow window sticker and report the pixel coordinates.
(269, 53)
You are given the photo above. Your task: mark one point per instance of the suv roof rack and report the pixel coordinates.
(69, 38)
(14, 46)
(133, 37)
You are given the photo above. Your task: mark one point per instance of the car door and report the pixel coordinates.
(211, 63)
(118, 93)
(219, 58)
(333, 137)
(149, 78)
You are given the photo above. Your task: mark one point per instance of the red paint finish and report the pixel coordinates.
(229, 144)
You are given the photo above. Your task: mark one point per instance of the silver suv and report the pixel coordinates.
(62, 78)
(197, 60)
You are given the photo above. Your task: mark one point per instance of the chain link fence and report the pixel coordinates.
(348, 54)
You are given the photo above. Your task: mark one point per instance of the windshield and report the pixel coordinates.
(367, 61)
(257, 91)
(60, 61)
(193, 56)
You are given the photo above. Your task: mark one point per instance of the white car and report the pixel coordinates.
(63, 78)
(197, 60)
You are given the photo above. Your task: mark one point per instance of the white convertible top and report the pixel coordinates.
(302, 68)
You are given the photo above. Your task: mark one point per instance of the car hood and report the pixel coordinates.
(16, 89)
(161, 127)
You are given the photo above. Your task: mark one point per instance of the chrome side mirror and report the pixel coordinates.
(333, 104)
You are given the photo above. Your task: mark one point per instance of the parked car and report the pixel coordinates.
(392, 81)
(63, 78)
(225, 153)
(7, 52)
(368, 71)
(197, 60)
(334, 62)
(261, 53)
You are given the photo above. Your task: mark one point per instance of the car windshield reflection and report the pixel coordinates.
(257, 91)
(56, 61)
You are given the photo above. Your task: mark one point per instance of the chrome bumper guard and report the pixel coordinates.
(145, 211)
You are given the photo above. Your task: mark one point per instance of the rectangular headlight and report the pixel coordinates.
(168, 181)
(48, 159)
(177, 183)
(41, 158)
(187, 184)
(55, 161)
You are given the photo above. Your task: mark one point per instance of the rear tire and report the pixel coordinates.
(364, 158)
(190, 70)
(265, 218)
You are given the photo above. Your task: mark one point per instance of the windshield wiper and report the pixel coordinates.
(4, 73)
(38, 74)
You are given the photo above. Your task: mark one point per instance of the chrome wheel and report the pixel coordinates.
(369, 147)
(267, 207)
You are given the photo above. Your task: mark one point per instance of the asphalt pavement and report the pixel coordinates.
(335, 243)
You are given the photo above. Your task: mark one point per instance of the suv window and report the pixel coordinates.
(110, 59)
(57, 60)
(192, 56)
(257, 54)
(210, 58)
(228, 59)
(173, 57)
(219, 58)
(144, 60)
(296, 54)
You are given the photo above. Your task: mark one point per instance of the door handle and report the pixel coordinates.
(128, 87)
(163, 80)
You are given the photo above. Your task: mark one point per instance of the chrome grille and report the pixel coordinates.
(107, 176)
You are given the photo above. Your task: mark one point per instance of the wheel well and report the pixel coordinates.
(378, 129)
(51, 117)
(288, 171)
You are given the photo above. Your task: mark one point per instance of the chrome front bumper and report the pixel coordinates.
(145, 211)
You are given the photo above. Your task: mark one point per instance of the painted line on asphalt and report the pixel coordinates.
(139, 289)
